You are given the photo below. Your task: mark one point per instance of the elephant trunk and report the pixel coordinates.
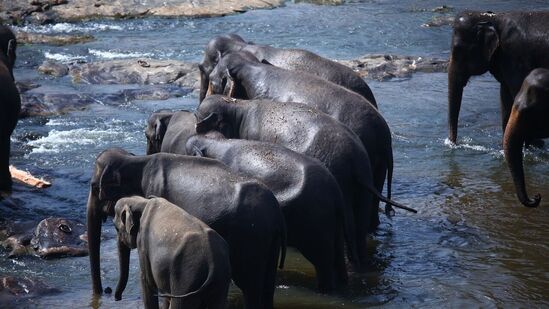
(94, 218)
(204, 83)
(513, 141)
(124, 264)
(456, 83)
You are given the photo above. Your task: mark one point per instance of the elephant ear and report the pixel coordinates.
(159, 130)
(207, 123)
(488, 38)
(127, 217)
(109, 177)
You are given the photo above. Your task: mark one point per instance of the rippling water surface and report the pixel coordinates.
(471, 244)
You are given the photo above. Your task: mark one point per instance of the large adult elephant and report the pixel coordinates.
(508, 45)
(10, 103)
(247, 78)
(290, 59)
(529, 119)
(307, 131)
(168, 131)
(308, 194)
(243, 211)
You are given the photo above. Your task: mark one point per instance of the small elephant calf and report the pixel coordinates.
(181, 258)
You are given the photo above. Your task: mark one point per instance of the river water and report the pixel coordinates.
(471, 244)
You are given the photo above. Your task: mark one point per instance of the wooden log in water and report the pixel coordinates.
(27, 178)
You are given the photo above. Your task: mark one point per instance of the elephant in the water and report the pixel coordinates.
(10, 103)
(181, 258)
(251, 79)
(508, 45)
(50, 238)
(307, 193)
(307, 131)
(169, 131)
(242, 210)
(290, 59)
(529, 119)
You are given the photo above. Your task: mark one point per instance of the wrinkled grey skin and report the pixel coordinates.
(250, 79)
(169, 131)
(10, 103)
(529, 119)
(243, 211)
(307, 131)
(13, 289)
(308, 194)
(508, 45)
(290, 59)
(50, 238)
(181, 258)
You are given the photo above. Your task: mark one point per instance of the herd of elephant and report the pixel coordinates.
(285, 148)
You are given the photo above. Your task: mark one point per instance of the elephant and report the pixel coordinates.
(169, 131)
(529, 119)
(290, 59)
(49, 238)
(508, 45)
(251, 79)
(307, 131)
(10, 102)
(242, 210)
(308, 194)
(181, 258)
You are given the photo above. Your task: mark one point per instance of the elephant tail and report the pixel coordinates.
(206, 283)
(388, 201)
(388, 208)
(283, 241)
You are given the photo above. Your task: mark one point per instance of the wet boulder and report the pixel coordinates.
(58, 40)
(385, 67)
(15, 289)
(50, 238)
(53, 68)
(137, 71)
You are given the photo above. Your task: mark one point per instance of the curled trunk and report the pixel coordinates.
(124, 264)
(513, 142)
(94, 218)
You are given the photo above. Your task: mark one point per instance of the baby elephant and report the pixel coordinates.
(181, 258)
(529, 120)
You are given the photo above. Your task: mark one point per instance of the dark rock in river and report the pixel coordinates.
(385, 67)
(36, 38)
(14, 289)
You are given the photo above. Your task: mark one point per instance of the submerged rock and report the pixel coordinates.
(53, 68)
(385, 67)
(51, 237)
(14, 289)
(36, 38)
(439, 21)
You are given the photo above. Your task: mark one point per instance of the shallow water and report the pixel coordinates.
(471, 244)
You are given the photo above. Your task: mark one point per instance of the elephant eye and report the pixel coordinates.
(64, 228)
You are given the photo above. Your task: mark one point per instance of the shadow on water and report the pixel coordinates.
(471, 244)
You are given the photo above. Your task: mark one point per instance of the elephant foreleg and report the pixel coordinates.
(513, 141)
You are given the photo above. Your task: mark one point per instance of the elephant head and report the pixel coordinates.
(114, 177)
(214, 114)
(127, 215)
(157, 125)
(475, 40)
(528, 120)
(8, 45)
(224, 80)
(215, 49)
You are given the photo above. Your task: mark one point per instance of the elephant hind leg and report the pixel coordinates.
(513, 141)
(5, 176)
